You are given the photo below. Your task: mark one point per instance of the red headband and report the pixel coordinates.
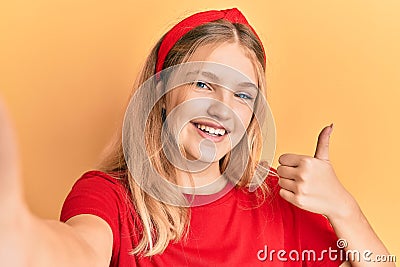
(233, 15)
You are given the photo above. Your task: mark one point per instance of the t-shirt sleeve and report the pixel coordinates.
(97, 194)
(317, 235)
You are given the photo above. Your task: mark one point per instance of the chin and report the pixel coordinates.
(206, 156)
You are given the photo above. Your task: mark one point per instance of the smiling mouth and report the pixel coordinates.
(210, 130)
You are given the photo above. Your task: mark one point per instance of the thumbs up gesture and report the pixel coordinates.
(310, 183)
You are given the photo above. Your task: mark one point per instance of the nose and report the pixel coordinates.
(219, 110)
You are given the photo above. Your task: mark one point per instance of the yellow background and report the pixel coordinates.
(67, 68)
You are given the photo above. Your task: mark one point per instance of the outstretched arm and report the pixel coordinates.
(311, 184)
(27, 240)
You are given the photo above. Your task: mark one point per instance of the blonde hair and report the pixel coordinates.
(162, 223)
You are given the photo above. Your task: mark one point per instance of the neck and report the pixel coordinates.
(207, 181)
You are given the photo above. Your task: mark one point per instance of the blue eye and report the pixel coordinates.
(243, 96)
(202, 85)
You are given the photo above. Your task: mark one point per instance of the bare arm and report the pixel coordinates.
(311, 184)
(85, 240)
(27, 240)
(352, 226)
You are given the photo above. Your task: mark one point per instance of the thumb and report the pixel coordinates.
(322, 150)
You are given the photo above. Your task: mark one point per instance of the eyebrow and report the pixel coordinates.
(207, 74)
(214, 78)
(248, 85)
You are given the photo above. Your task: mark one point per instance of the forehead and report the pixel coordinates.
(230, 54)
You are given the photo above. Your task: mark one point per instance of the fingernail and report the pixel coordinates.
(331, 126)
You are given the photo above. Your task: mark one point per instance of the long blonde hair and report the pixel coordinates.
(162, 223)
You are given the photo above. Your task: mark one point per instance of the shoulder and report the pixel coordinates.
(104, 196)
(98, 182)
(96, 192)
(263, 191)
(101, 177)
(269, 186)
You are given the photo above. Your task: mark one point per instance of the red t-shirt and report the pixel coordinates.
(226, 232)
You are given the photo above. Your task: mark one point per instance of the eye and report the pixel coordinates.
(202, 85)
(244, 96)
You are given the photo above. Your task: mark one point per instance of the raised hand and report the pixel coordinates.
(311, 183)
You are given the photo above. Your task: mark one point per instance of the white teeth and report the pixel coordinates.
(211, 130)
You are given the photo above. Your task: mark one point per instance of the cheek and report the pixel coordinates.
(173, 98)
(170, 102)
(177, 96)
(245, 114)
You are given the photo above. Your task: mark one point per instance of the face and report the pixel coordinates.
(210, 112)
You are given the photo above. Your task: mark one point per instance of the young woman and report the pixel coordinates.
(184, 185)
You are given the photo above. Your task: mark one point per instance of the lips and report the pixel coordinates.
(210, 130)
